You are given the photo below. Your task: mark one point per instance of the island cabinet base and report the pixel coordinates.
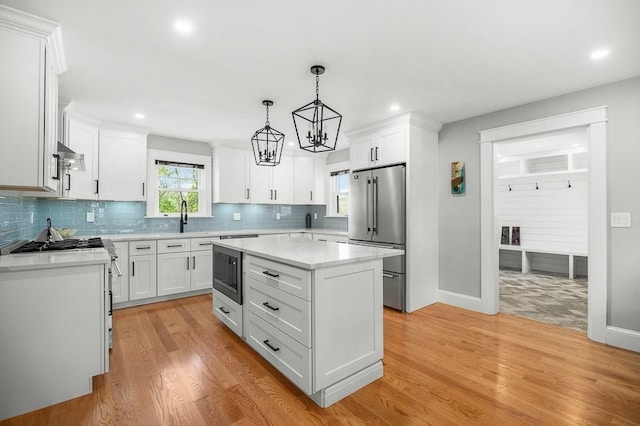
(325, 332)
(334, 393)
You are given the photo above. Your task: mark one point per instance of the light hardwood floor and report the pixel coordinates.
(175, 363)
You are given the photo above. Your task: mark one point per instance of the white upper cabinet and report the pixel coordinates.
(123, 162)
(231, 176)
(378, 148)
(115, 162)
(272, 185)
(309, 176)
(28, 105)
(83, 138)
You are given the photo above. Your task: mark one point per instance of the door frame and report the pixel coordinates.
(595, 121)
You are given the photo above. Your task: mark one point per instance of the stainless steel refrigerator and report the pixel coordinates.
(377, 217)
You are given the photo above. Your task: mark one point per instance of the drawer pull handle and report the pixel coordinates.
(273, 308)
(273, 348)
(221, 309)
(143, 248)
(270, 274)
(210, 243)
(174, 245)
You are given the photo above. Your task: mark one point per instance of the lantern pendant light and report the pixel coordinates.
(317, 125)
(267, 143)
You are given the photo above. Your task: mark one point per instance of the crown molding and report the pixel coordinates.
(411, 118)
(38, 27)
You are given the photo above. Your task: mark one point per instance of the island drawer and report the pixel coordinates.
(200, 244)
(228, 311)
(287, 278)
(142, 247)
(286, 312)
(286, 354)
(174, 245)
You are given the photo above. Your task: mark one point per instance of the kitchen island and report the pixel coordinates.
(313, 309)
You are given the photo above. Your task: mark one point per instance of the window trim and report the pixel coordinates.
(154, 155)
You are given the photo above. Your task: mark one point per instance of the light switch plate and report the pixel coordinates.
(277, 216)
(621, 220)
(237, 216)
(90, 217)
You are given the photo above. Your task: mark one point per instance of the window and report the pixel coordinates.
(339, 193)
(175, 177)
(178, 182)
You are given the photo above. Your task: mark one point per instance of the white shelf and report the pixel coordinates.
(528, 175)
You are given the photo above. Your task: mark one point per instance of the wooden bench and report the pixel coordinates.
(526, 261)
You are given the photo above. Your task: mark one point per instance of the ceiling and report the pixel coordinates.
(447, 60)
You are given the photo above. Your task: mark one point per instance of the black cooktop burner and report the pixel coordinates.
(70, 244)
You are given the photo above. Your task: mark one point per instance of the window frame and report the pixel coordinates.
(204, 184)
(332, 205)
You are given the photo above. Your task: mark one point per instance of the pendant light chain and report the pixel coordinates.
(317, 86)
(266, 123)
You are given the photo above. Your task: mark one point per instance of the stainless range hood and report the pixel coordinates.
(70, 159)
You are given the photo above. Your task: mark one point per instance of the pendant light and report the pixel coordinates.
(317, 125)
(267, 143)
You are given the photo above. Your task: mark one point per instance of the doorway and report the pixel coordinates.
(594, 123)
(541, 206)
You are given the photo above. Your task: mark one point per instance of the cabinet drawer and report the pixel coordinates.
(199, 244)
(286, 354)
(172, 246)
(277, 275)
(228, 311)
(288, 313)
(142, 247)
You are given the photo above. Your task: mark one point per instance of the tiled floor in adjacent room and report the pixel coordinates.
(545, 297)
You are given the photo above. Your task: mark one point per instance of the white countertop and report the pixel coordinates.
(205, 234)
(53, 259)
(306, 254)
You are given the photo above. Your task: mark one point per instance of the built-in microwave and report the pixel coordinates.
(227, 272)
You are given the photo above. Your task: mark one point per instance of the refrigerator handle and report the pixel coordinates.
(367, 203)
(375, 205)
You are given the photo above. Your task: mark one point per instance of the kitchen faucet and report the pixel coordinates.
(183, 219)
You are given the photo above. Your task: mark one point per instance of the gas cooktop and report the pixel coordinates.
(69, 244)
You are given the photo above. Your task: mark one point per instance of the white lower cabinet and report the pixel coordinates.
(142, 272)
(174, 274)
(201, 263)
(120, 283)
(282, 310)
(292, 358)
(228, 311)
(321, 328)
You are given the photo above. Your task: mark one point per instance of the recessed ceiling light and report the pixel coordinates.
(576, 144)
(183, 27)
(290, 143)
(394, 107)
(596, 55)
(139, 116)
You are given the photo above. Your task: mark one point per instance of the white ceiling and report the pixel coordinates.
(446, 60)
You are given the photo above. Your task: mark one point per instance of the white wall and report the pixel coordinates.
(165, 143)
(460, 216)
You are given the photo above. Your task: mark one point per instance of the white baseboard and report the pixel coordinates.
(623, 338)
(461, 301)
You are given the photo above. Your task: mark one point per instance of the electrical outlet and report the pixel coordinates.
(237, 216)
(91, 217)
(621, 220)
(315, 216)
(31, 217)
(277, 216)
